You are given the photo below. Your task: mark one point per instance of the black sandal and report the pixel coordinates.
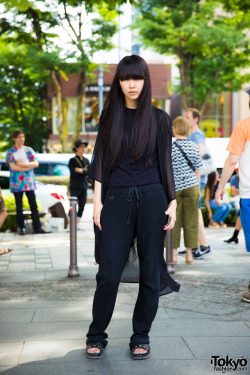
(145, 355)
(98, 355)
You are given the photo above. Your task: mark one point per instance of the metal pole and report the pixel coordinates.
(169, 252)
(73, 268)
(100, 84)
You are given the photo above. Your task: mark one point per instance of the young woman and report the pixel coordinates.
(186, 163)
(134, 194)
(217, 219)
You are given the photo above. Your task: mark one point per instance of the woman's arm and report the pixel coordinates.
(207, 198)
(97, 204)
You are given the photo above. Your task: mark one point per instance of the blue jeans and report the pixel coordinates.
(221, 211)
(244, 217)
(202, 185)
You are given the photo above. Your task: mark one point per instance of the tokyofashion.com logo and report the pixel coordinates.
(227, 364)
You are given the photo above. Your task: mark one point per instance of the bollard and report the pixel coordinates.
(73, 268)
(169, 253)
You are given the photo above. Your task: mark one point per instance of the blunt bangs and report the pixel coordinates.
(132, 67)
(131, 76)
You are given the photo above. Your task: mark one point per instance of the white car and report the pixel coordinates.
(46, 194)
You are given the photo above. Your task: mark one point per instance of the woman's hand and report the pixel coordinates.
(97, 204)
(210, 215)
(97, 214)
(171, 212)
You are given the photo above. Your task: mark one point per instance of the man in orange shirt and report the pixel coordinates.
(239, 148)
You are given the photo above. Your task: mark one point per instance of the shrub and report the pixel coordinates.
(11, 222)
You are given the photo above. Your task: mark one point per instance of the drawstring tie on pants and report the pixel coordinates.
(131, 192)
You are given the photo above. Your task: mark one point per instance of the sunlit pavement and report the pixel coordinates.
(44, 315)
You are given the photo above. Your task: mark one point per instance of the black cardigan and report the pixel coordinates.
(100, 172)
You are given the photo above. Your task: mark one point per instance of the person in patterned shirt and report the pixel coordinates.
(22, 160)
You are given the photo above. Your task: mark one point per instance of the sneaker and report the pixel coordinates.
(246, 297)
(202, 252)
(249, 287)
(194, 250)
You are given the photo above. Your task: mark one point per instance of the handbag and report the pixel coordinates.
(207, 164)
(185, 156)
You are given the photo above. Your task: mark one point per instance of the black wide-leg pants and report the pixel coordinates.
(128, 213)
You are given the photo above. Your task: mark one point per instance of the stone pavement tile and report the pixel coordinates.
(63, 314)
(53, 351)
(199, 327)
(205, 347)
(204, 307)
(244, 315)
(16, 316)
(10, 352)
(22, 257)
(100, 367)
(43, 266)
(86, 273)
(183, 314)
(43, 260)
(3, 268)
(21, 266)
(161, 367)
(83, 312)
(14, 277)
(44, 331)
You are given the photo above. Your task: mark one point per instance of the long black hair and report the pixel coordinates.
(112, 120)
(210, 183)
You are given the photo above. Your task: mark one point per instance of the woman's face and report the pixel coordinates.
(132, 88)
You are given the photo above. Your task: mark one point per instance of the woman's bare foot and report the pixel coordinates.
(4, 250)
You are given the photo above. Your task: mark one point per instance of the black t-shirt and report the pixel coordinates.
(78, 181)
(128, 174)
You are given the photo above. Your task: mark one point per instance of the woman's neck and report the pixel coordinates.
(131, 104)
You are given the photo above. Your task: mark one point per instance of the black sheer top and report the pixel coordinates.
(99, 170)
(128, 174)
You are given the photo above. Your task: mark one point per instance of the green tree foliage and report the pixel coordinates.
(90, 26)
(22, 93)
(211, 44)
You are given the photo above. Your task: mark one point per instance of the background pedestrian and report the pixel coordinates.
(198, 137)
(22, 160)
(79, 168)
(217, 220)
(186, 163)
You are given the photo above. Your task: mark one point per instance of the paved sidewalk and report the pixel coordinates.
(44, 315)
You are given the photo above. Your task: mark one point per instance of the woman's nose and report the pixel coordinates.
(131, 83)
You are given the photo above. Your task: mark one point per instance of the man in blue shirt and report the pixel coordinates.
(198, 137)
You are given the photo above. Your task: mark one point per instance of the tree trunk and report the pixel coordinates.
(80, 118)
(183, 86)
(64, 132)
(62, 122)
